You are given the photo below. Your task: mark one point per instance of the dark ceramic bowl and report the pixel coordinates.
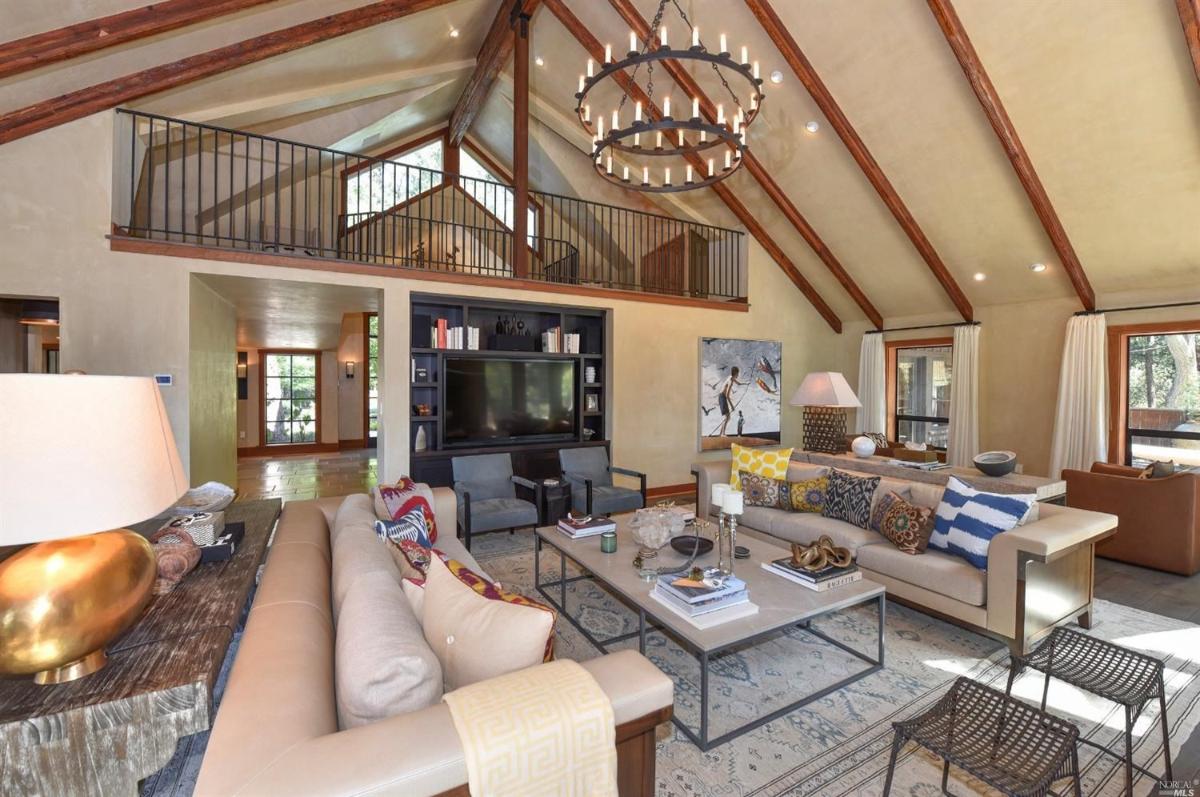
(996, 463)
(685, 542)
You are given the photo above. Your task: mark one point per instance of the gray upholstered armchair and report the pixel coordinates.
(591, 479)
(487, 495)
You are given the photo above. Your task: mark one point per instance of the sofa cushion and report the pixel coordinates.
(412, 526)
(980, 519)
(849, 498)
(501, 513)
(807, 495)
(480, 632)
(937, 572)
(606, 499)
(384, 666)
(955, 495)
(763, 490)
(394, 501)
(905, 525)
(923, 494)
(357, 550)
(772, 463)
(807, 528)
(758, 517)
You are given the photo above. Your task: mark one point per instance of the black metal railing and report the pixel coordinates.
(201, 184)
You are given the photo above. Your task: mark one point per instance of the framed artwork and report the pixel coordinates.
(740, 387)
(591, 403)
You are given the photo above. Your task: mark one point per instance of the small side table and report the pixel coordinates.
(556, 500)
(1009, 745)
(1126, 677)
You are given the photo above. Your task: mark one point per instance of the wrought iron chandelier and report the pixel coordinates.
(648, 148)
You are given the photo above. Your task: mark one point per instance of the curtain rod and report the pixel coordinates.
(923, 326)
(1142, 307)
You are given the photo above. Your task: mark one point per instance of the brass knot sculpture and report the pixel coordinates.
(820, 555)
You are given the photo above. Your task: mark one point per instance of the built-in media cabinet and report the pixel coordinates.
(496, 376)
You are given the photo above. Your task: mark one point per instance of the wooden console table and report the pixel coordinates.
(1050, 490)
(103, 733)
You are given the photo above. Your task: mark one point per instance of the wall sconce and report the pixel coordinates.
(349, 369)
(242, 368)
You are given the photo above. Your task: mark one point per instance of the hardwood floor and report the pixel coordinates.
(304, 476)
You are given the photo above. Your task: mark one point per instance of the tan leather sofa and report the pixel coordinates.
(1159, 519)
(1039, 575)
(276, 732)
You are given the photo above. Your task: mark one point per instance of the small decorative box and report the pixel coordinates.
(203, 527)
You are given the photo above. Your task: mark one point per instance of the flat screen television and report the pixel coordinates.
(491, 401)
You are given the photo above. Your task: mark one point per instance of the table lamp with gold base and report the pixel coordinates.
(78, 453)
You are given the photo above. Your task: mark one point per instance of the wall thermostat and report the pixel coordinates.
(164, 380)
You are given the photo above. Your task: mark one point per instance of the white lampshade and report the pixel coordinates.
(824, 389)
(81, 454)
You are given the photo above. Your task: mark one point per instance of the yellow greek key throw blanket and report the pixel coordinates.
(546, 730)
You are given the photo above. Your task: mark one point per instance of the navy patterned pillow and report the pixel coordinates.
(409, 526)
(849, 498)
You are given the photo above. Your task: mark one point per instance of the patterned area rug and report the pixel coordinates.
(838, 745)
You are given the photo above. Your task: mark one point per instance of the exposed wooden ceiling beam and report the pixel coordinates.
(1189, 16)
(981, 84)
(592, 45)
(692, 88)
(102, 96)
(808, 76)
(493, 55)
(72, 41)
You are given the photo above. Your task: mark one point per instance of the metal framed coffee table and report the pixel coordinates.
(781, 605)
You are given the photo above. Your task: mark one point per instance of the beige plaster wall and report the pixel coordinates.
(351, 346)
(212, 400)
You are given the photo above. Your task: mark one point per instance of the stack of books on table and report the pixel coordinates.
(819, 580)
(693, 601)
(577, 529)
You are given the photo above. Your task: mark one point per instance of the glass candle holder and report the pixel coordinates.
(608, 542)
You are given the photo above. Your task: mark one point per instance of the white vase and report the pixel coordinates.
(862, 447)
(421, 442)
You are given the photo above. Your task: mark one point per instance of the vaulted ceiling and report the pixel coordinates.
(1104, 97)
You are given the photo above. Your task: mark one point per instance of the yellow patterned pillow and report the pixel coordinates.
(759, 461)
(808, 495)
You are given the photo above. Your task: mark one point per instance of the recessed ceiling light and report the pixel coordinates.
(813, 126)
(776, 76)
(980, 276)
(454, 33)
(539, 61)
(1037, 268)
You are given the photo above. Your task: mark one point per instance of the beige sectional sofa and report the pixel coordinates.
(1039, 574)
(277, 732)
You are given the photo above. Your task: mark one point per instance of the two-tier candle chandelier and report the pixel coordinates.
(658, 144)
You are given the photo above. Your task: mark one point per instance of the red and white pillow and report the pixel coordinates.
(396, 501)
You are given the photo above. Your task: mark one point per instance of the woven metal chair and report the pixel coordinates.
(1109, 671)
(1007, 744)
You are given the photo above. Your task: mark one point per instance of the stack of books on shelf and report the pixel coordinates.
(552, 340)
(693, 598)
(819, 580)
(585, 527)
(443, 336)
(571, 343)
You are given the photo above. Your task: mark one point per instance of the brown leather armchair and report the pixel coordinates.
(1159, 518)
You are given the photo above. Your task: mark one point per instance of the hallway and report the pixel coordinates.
(303, 476)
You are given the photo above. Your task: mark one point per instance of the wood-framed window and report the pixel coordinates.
(918, 390)
(371, 386)
(1154, 392)
(477, 171)
(291, 397)
(414, 168)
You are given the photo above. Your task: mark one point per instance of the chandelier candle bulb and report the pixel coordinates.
(724, 44)
(591, 69)
(695, 37)
(695, 107)
(745, 54)
(720, 114)
(610, 164)
(581, 79)
(616, 121)
(600, 127)
(608, 53)
(666, 175)
(625, 175)
(637, 140)
(689, 173)
(728, 159)
(756, 70)
(711, 172)
(587, 113)
(637, 112)
(703, 136)
(662, 36)
(632, 42)
(645, 175)
(658, 140)
(666, 106)
(681, 140)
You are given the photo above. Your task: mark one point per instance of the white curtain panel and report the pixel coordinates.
(1081, 421)
(964, 397)
(872, 417)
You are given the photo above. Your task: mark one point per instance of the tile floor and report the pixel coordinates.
(304, 476)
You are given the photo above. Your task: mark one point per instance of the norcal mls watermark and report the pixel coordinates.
(1178, 788)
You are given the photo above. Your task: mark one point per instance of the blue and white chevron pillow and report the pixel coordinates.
(967, 519)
